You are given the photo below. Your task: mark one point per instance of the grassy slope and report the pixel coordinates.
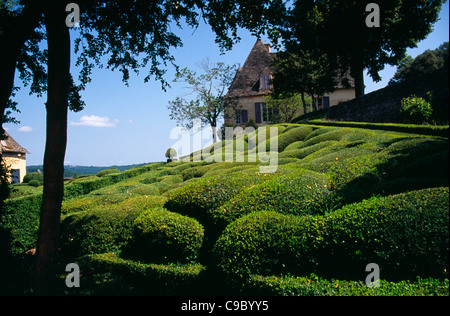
(354, 164)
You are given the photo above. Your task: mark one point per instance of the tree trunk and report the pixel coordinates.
(214, 133)
(357, 72)
(303, 102)
(58, 39)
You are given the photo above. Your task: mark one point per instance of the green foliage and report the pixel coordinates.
(293, 135)
(395, 165)
(196, 199)
(325, 134)
(5, 187)
(92, 201)
(302, 152)
(195, 172)
(97, 231)
(20, 190)
(19, 222)
(415, 110)
(107, 171)
(337, 28)
(83, 186)
(405, 234)
(315, 286)
(424, 63)
(162, 236)
(295, 221)
(209, 87)
(287, 108)
(442, 131)
(261, 242)
(39, 177)
(171, 153)
(102, 224)
(108, 274)
(303, 72)
(298, 192)
(34, 183)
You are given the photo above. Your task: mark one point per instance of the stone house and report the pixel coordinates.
(14, 157)
(252, 83)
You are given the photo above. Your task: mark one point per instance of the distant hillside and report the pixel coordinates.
(69, 171)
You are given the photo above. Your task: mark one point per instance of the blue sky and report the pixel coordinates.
(128, 125)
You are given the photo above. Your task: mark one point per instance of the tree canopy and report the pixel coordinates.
(209, 88)
(303, 72)
(426, 62)
(338, 27)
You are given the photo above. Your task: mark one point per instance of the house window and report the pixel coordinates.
(237, 115)
(326, 102)
(241, 117)
(265, 82)
(322, 103)
(15, 176)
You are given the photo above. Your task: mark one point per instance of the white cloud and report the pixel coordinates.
(95, 121)
(25, 129)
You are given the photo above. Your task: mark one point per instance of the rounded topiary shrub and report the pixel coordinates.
(259, 243)
(299, 192)
(107, 171)
(161, 236)
(30, 176)
(407, 235)
(293, 135)
(34, 183)
(208, 193)
(97, 231)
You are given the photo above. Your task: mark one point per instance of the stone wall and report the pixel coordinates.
(383, 105)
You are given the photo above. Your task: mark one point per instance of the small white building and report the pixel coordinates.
(14, 157)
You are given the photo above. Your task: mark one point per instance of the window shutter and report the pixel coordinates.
(258, 112)
(244, 116)
(263, 112)
(265, 80)
(326, 102)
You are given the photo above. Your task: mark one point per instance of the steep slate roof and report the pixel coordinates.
(10, 145)
(247, 80)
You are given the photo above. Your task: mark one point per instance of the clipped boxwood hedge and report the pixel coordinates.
(302, 152)
(293, 135)
(92, 201)
(108, 274)
(208, 193)
(299, 192)
(161, 236)
(19, 222)
(405, 128)
(407, 235)
(315, 286)
(76, 188)
(97, 231)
